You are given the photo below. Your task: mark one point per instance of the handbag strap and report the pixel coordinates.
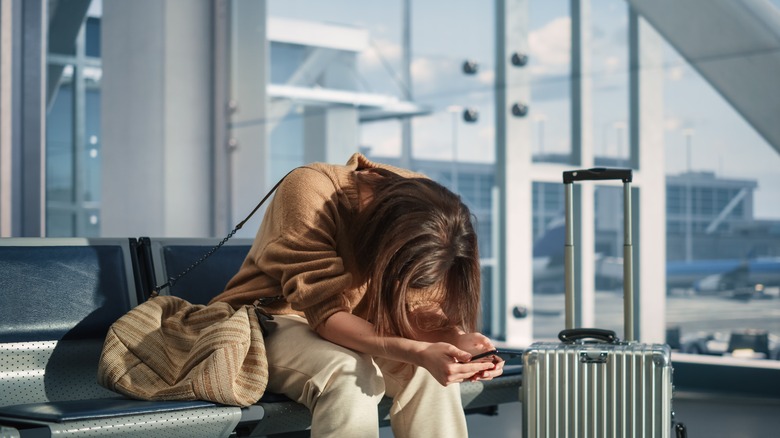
(172, 280)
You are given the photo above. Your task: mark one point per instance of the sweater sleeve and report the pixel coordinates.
(303, 255)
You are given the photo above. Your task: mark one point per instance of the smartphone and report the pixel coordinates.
(500, 352)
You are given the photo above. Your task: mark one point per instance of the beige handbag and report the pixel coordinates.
(169, 349)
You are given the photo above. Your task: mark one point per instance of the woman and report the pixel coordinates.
(373, 275)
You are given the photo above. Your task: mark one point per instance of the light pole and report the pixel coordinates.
(620, 130)
(455, 111)
(540, 120)
(688, 133)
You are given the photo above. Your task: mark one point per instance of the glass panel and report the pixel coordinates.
(73, 138)
(59, 146)
(723, 248)
(91, 222)
(609, 78)
(93, 37)
(285, 59)
(487, 304)
(548, 235)
(371, 72)
(460, 129)
(550, 65)
(381, 139)
(59, 223)
(379, 64)
(92, 148)
(608, 208)
(286, 142)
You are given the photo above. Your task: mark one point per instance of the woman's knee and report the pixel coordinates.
(353, 372)
(350, 379)
(417, 383)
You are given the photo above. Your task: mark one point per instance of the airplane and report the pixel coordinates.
(748, 277)
(731, 276)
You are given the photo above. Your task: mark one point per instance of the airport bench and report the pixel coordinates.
(57, 299)
(59, 296)
(167, 257)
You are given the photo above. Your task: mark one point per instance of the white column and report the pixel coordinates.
(647, 104)
(513, 176)
(250, 158)
(6, 116)
(220, 70)
(156, 118)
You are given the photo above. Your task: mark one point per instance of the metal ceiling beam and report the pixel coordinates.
(726, 211)
(734, 45)
(307, 74)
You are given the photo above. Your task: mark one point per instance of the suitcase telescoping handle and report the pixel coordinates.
(600, 173)
(597, 173)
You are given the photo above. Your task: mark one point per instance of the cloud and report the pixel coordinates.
(487, 77)
(612, 64)
(672, 123)
(675, 74)
(550, 47)
(384, 138)
(433, 136)
(429, 74)
(389, 50)
(424, 70)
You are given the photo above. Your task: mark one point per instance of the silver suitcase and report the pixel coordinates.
(591, 384)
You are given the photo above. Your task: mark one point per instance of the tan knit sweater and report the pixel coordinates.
(304, 247)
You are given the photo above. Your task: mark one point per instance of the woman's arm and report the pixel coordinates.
(446, 362)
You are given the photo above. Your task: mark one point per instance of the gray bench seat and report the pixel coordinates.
(57, 299)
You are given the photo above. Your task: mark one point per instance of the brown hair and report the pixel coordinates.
(415, 234)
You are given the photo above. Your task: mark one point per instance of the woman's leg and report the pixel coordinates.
(422, 407)
(341, 387)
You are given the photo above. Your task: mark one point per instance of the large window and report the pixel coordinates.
(428, 102)
(550, 65)
(73, 127)
(723, 257)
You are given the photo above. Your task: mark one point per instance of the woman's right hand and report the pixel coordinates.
(449, 364)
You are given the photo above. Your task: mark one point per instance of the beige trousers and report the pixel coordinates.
(342, 387)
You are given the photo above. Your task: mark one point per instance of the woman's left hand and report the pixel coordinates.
(476, 343)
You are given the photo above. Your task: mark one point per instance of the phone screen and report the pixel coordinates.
(481, 355)
(501, 353)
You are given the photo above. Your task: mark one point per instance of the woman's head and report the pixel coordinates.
(414, 236)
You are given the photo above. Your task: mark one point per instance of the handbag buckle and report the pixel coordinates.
(265, 319)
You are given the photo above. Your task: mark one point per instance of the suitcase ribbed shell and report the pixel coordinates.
(597, 390)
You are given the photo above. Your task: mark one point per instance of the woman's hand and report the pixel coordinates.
(476, 343)
(496, 370)
(448, 364)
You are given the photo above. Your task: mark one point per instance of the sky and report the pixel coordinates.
(445, 33)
